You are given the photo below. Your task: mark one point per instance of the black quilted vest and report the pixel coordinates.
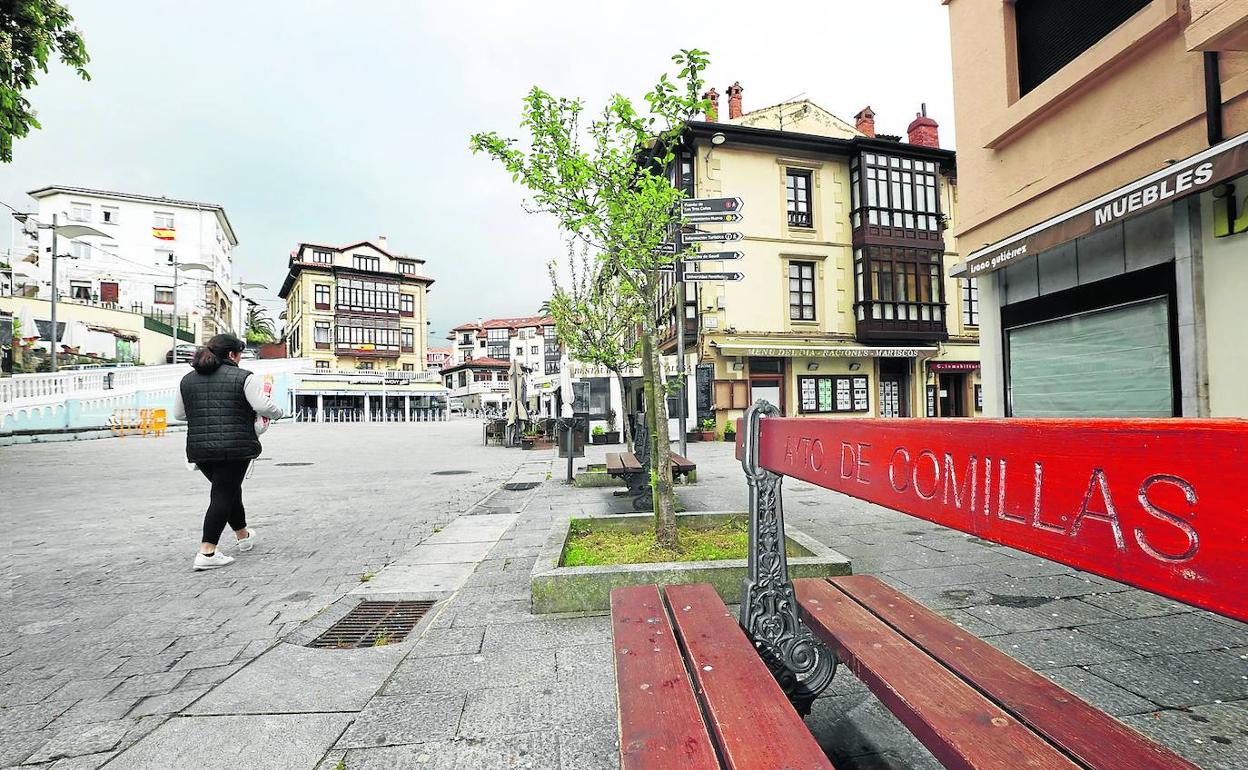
(221, 425)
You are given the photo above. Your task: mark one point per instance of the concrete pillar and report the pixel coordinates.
(992, 360)
(407, 408)
(320, 407)
(368, 416)
(1189, 280)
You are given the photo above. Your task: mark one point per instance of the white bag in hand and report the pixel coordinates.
(262, 423)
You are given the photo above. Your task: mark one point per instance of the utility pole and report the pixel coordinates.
(173, 321)
(679, 242)
(54, 339)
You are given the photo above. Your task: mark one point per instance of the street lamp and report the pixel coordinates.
(71, 232)
(173, 320)
(242, 299)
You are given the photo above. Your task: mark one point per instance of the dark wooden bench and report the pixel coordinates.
(1043, 487)
(634, 468)
(691, 688)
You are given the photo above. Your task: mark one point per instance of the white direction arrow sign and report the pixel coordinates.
(710, 205)
(714, 256)
(714, 276)
(710, 218)
(700, 237)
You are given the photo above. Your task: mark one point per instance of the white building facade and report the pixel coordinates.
(132, 268)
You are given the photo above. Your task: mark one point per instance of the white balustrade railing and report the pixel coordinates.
(50, 387)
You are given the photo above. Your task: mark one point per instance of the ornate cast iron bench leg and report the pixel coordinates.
(801, 663)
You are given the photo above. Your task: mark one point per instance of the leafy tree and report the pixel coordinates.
(604, 178)
(259, 325)
(594, 316)
(30, 32)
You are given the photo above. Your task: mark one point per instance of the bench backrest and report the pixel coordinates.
(1161, 505)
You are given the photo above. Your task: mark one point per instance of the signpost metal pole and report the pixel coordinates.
(173, 322)
(680, 337)
(52, 361)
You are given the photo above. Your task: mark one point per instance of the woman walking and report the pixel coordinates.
(220, 403)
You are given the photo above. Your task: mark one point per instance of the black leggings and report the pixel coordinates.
(226, 499)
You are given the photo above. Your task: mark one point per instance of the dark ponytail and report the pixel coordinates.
(210, 357)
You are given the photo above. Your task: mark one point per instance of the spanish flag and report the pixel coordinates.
(163, 233)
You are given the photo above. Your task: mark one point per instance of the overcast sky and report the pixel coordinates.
(339, 121)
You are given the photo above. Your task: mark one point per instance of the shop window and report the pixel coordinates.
(833, 393)
(732, 394)
(599, 395)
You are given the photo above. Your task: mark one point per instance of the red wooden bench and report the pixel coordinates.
(1156, 504)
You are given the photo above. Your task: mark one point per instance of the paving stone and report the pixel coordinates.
(1106, 696)
(27, 692)
(1056, 648)
(492, 668)
(945, 576)
(31, 716)
(169, 703)
(1214, 737)
(148, 664)
(15, 747)
(274, 742)
(588, 751)
(1183, 680)
(1137, 604)
(87, 712)
(209, 676)
(394, 719)
(148, 684)
(292, 679)
(531, 751)
(972, 624)
(79, 740)
(87, 762)
(586, 663)
(501, 711)
(545, 634)
(1171, 634)
(450, 641)
(858, 731)
(90, 689)
(209, 657)
(1055, 613)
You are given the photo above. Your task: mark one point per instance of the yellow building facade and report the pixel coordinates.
(356, 307)
(1102, 153)
(839, 313)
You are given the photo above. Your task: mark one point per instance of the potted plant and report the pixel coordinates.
(528, 439)
(708, 429)
(730, 431)
(612, 435)
(598, 435)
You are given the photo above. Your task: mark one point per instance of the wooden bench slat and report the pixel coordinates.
(755, 725)
(1081, 729)
(661, 725)
(961, 727)
(615, 464)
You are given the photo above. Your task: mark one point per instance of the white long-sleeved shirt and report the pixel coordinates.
(253, 389)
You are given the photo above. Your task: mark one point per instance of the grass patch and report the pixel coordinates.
(367, 576)
(610, 545)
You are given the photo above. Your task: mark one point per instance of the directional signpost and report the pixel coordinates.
(701, 237)
(700, 211)
(714, 256)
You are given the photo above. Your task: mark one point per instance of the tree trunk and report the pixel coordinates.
(622, 415)
(660, 442)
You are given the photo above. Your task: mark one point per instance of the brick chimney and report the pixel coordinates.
(864, 121)
(923, 130)
(734, 100)
(383, 243)
(712, 113)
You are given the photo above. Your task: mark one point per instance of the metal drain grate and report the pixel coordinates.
(372, 624)
(289, 465)
(521, 486)
(449, 473)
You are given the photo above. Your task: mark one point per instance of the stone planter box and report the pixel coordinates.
(555, 588)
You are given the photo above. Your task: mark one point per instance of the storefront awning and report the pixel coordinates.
(1189, 176)
(766, 349)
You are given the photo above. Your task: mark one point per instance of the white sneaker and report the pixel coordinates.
(217, 559)
(249, 542)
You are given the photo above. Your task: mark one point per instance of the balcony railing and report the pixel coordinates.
(799, 219)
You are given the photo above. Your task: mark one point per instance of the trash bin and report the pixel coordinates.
(580, 435)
